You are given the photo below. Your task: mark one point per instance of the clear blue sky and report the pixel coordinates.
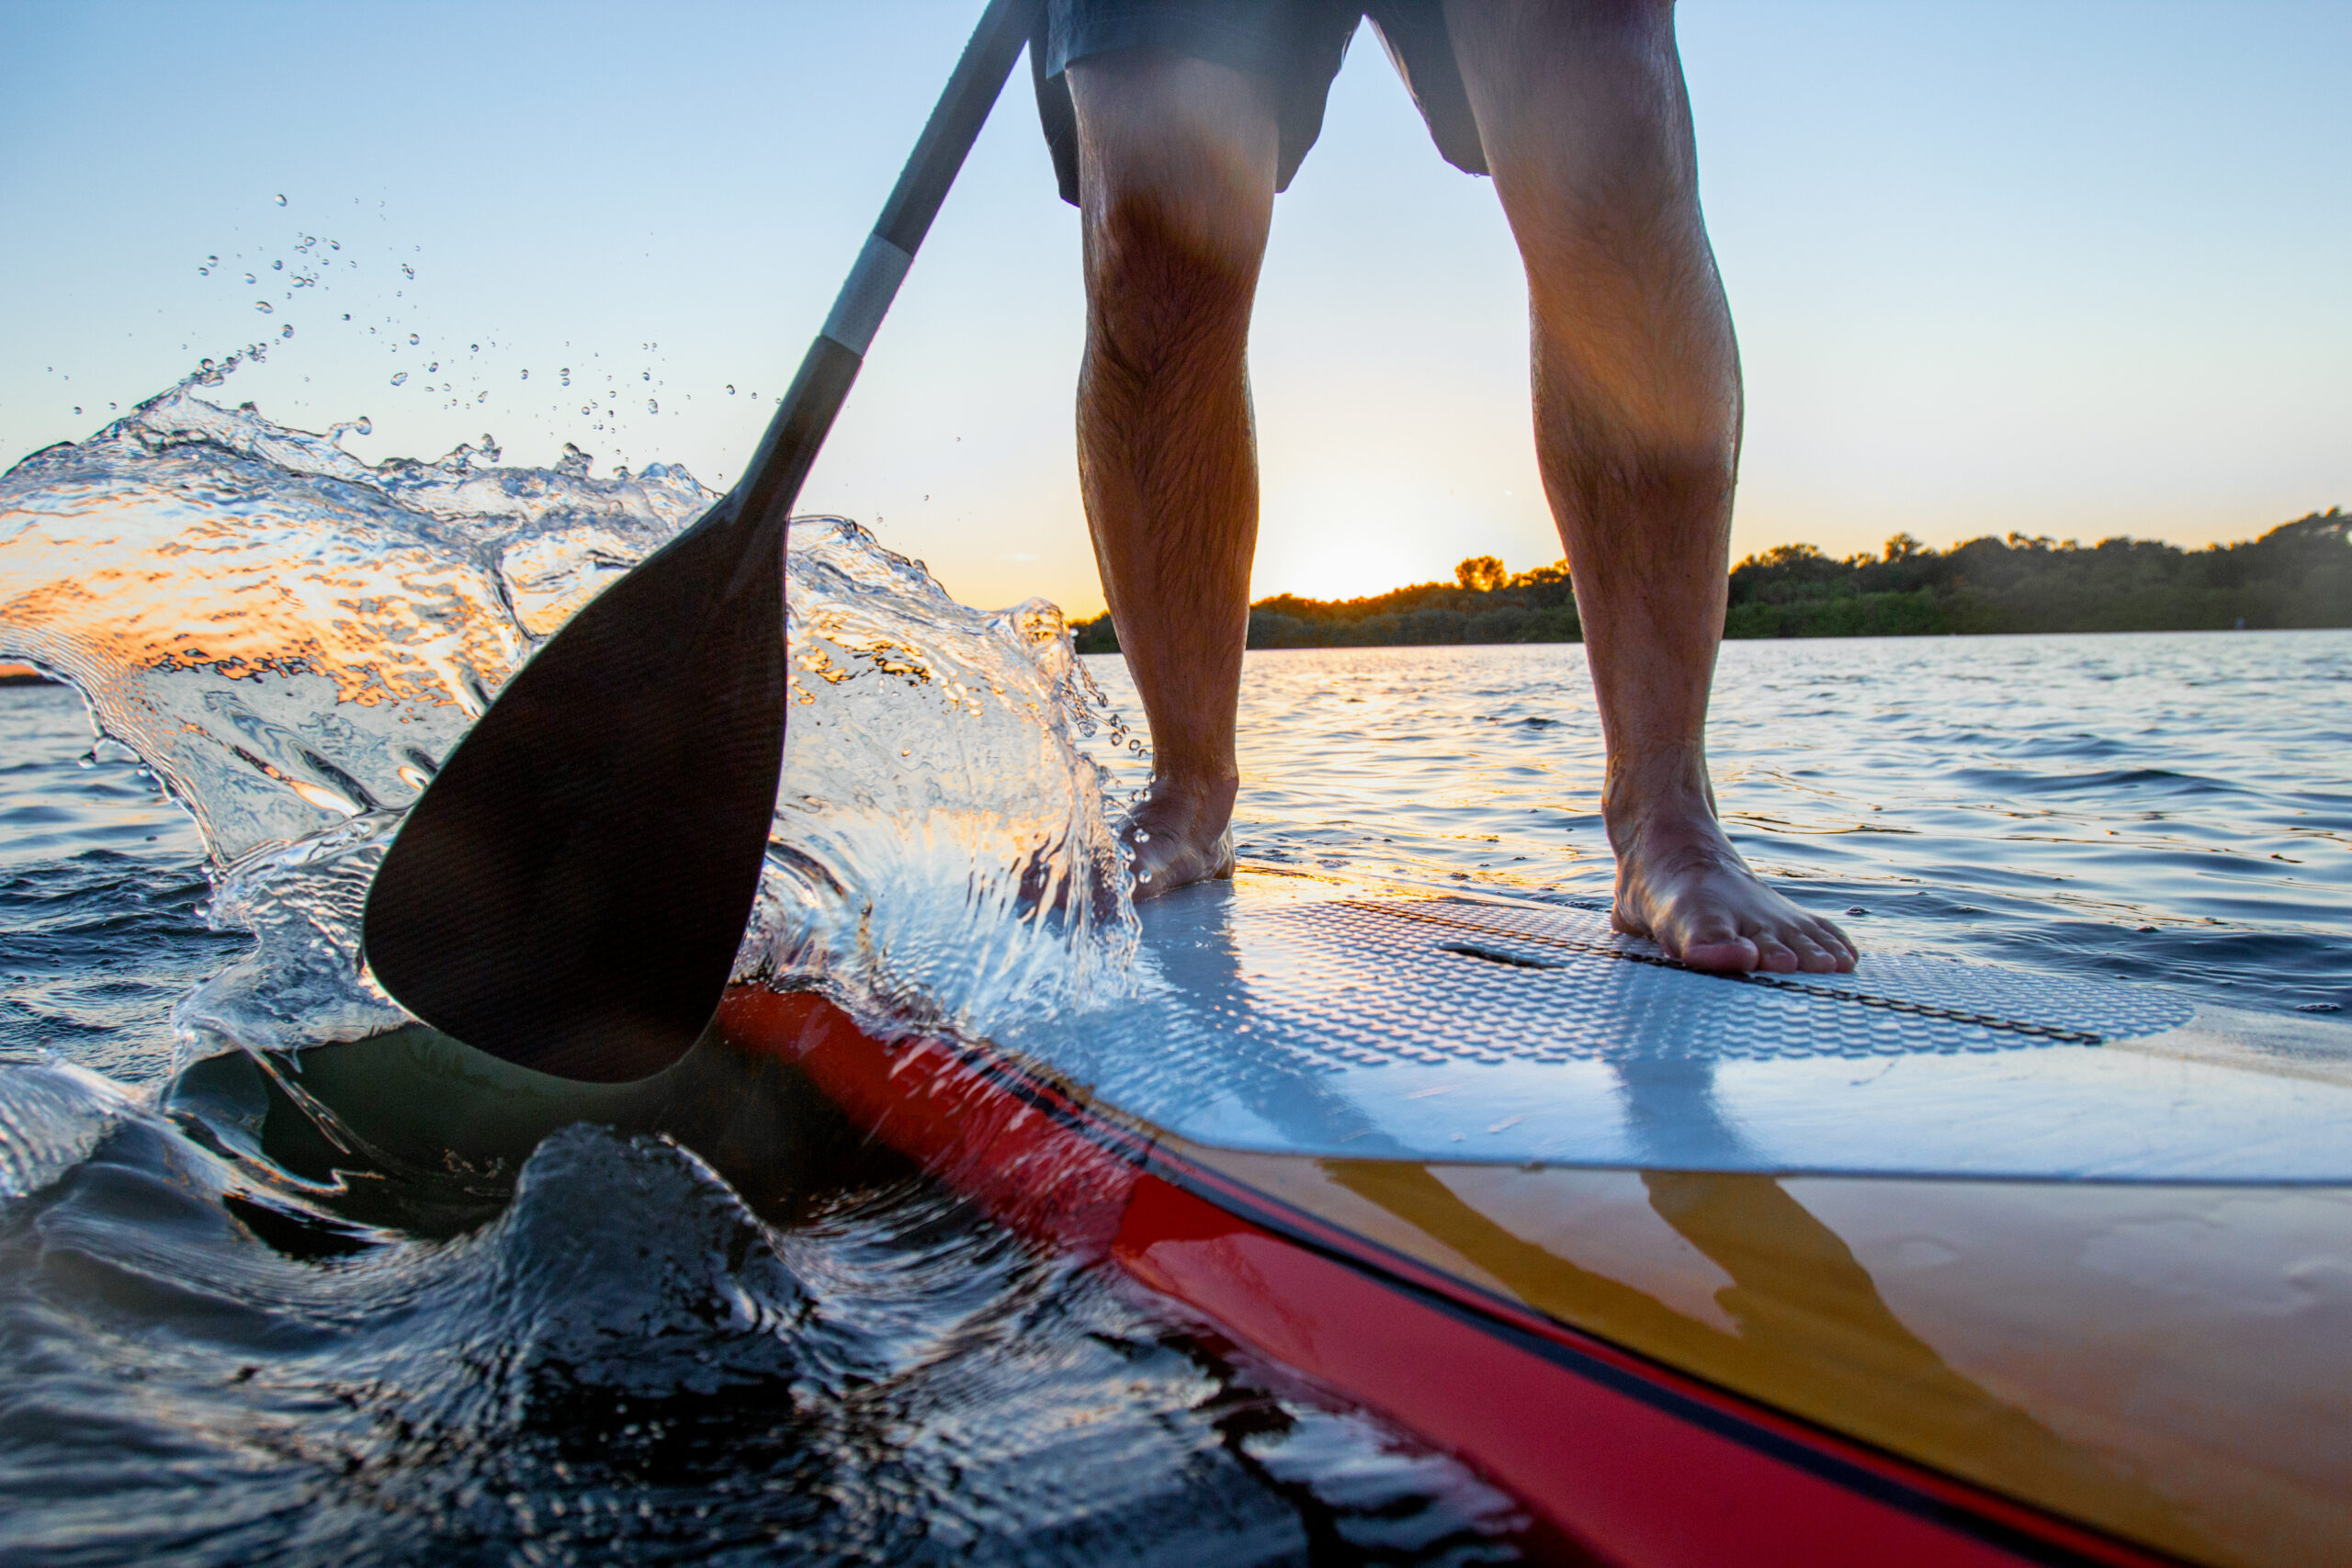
(2068, 269)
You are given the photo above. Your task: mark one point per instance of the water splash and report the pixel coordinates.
(288, 635)
(293, 639)
(942, 847)
(51, 1115)
(741, 1323)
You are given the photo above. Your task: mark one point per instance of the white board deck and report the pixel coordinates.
(1300, 1016)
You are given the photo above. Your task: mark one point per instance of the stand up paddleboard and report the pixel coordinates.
(1930, 1263)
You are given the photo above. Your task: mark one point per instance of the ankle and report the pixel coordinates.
(1669, 793)
(1190, 805)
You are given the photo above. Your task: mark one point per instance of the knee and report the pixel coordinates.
(1176, 169)
(1160, 290)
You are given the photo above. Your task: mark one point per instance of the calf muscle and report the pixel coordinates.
(1176, 188)
(1635, 379)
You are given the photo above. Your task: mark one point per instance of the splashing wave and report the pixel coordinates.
(293, 639)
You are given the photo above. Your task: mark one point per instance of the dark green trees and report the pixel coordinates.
(2299, 574)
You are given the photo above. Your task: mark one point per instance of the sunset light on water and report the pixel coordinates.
(579, 982)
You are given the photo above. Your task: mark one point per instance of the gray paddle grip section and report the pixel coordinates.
(865, 297)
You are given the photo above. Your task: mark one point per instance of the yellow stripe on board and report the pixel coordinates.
(2169, 1363)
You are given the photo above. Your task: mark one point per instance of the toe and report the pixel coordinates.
(1836, 944)
(1812, 956)
(1705, 938)
(1774, 957)
(1720, 954)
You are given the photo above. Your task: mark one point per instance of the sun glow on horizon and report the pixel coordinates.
(1344, 571)
(1340, 532)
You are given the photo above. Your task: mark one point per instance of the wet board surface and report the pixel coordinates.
(1296, 1016)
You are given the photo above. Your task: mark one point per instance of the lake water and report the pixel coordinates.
(2173, 807)
(644, 1356)
(231, 1332)
(208, 1357)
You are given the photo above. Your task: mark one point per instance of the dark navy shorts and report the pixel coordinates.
(1297, 45)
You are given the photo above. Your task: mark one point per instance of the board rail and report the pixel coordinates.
(1616, 1457)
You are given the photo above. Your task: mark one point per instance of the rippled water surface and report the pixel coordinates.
(230, 1332)
(233, 1330)
(218, 1343)
(2174, 808)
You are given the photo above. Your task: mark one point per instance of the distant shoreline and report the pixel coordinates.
(2296, 577)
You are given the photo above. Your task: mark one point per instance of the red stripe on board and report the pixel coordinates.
(1635, 1463)
(2038, 1535)
(1019, 1161)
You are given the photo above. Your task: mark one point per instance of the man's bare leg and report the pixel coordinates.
(1176, 191)
(1587, 127)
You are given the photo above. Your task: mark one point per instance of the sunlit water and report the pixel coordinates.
(224, 1341)
(227, 1340)
(2173, 807)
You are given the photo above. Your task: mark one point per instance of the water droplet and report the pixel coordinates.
(1142, 836)
(281, 201)
(432, 367)
(249, 277)
(483, 397)
(647, 377)
(334, 244)
(77, 408)
(213, 261)
(264, 307)
(400, 378)
(653, 406)
(287, 331)
(730, 389)
(473, 348)
(204, 272)
(277, 266)
(527, 375)
(412, 338)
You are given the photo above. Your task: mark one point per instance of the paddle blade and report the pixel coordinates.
(570, 893)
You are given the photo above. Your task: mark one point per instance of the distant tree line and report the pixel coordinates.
(1483, 604)
(2299, 574)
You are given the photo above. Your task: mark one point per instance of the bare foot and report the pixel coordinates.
(1680, 884)
(1182, 834)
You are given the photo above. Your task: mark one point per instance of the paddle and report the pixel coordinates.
(570, 892)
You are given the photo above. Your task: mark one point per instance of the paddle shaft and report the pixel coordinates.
(772, 483)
